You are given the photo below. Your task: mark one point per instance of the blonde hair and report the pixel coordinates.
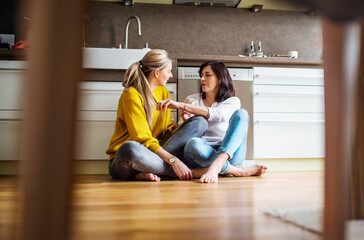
(137, 76)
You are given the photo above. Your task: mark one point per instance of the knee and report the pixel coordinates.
(200, 123)
(129, 150)
(240, 115)
(193, 146)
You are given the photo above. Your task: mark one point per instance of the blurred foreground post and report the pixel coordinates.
(51, 93)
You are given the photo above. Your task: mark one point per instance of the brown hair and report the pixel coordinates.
(226, 87)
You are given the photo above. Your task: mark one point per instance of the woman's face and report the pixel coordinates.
(164, 74)
(209, 81)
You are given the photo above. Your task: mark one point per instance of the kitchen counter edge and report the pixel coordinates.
(186, 59)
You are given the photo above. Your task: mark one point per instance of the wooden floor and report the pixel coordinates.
(104, 209)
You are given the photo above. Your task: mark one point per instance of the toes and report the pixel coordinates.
(208, 179)
(156, 178)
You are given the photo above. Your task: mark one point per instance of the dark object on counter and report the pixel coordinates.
(256, 8)
(21, 45)
(4, 44)
(127, 2)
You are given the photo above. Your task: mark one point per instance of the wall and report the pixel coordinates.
(204, 30)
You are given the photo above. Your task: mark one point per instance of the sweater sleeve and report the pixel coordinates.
(224, 110)
(136, 122)
(171, 126)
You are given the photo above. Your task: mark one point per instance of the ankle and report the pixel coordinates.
(214, 168)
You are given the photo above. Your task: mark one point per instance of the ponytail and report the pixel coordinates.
(137, 76)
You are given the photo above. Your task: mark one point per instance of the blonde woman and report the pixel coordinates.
(145, 144)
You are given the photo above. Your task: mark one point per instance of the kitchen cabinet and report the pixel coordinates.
(288, 106)
(96, 113)
(11, 108)
(288, 112)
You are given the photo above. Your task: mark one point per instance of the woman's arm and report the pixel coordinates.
(139, 131)
(182, 171)
(196, 110)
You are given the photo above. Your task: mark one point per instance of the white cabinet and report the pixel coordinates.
(96, 113)
(288, 113)
(11, 108)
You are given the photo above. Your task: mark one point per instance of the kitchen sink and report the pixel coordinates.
(111, 58)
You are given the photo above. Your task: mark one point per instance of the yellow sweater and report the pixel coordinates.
(131, 121)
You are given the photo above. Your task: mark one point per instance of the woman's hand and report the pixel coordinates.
(168, 103)
(182, 171)
(185, 115)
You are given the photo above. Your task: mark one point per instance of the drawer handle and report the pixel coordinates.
(289, 121)
(285, 93)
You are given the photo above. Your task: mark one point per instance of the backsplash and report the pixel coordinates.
(204, 30)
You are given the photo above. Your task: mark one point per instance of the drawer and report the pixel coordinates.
(99, 96)
(10, 139)
(99, 100)
(289, 76)
(11, 89)
(288, 98)
(296, 135)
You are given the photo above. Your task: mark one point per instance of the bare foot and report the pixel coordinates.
(210, 176)
(254, 170)
(142, 176)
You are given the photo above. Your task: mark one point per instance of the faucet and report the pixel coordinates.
(127, 29)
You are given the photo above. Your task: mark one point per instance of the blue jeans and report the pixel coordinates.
(198, 153)
(132, 157)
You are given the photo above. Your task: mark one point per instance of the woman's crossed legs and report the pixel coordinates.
(208, 161)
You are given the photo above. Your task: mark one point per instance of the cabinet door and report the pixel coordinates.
(297, 135)
(289, 76)
(93, 139)
(10, 139)
(11, 89)
(99, 96)
(276, 98)
(96, 117)
(288, 113)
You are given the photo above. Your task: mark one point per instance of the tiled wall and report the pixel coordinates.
(204, 30)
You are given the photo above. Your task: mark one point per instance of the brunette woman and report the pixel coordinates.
(222, 148)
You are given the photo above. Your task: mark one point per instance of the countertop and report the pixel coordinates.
(188, 60)
(12, 54)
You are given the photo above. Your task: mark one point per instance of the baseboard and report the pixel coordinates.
(84, 167)
(81, 167)
(296, 164)
(9, 168)
(91, 167)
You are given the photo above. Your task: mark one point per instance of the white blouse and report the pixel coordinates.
(220, 114)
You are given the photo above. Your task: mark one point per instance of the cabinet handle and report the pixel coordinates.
(289, 121)
(285, 93)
